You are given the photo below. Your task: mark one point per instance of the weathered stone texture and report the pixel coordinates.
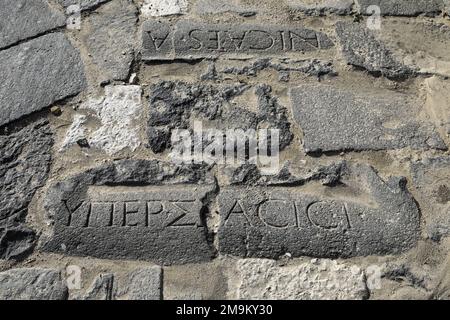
(362, 49)
(158, 8)
(101, 289)
(318, 280)
(431, 179)
(143, 284)
(25, 158)
(38, 73)
(410, 8)
(337, 120)
(190, 40)
(99, 213)
(84, 4)
(118, 112)
(322, 8)
(23, 19)
(204, 7)
(271, 222)
(32, 284)
(109, 37)
(174, 104)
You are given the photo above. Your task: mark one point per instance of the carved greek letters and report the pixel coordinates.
(187, 39)
(270, 222)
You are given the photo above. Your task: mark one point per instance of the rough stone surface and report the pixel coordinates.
(24, 166)
(204, 7)
(205, 281)
(160, 223)
(109, 37)
(23, 19)
(328, 223)
(362, 49)
(335, 120)
(190, 40)
(311, 67)
(84, 4)
(432, 182)
(174, 104)
(118, 113)
(32, 284)
(101, 289)
(157, 8)
(322, 8)
(403, 7)
(75, 133)
(38, 73)
(143, 284)
(261, 279)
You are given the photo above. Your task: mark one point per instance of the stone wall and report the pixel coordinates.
(94, 204)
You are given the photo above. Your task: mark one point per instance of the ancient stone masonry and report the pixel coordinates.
(270, 222)
(194, 40)
(122, 211)
(224, 149)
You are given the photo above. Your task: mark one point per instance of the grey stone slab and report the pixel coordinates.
(101, 289)
(206, 7)
(192, 40)
(84, 4)
(362, 215)
(411, 8)
(322, 8)
(25, 158)
(109, 37)
(132, 209)
(431, 178)
(335, 119)
(23, 19)
(38, 73)
(362, 49)
(157, 40)
(143, 284)
(316, 280)
(32, 284)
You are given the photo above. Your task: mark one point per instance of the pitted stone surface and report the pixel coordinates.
(84, 4)
(118, 113)
(335, 120)
(142, 284)
(331, 223)
(192, 40)
(109, 37)
(204, 7)
(101, 289)
(322, 8)
(32, 284)
(362, 49)
(23, 19)
(403, 7)
(432, 182)
(261, 279)
(134, 209)
(173, 104)
(24, 166)
(158, 8)
(38, 73)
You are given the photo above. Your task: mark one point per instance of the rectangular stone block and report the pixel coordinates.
(411, 8)
(156, 223)
(334, 119)
(273, 221)
(190, 40)
(38, 73)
